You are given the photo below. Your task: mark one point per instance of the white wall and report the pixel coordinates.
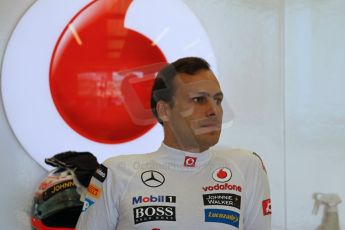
(315, 106)
(281, 71)
(19, 172)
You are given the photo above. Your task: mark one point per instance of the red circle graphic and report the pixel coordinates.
(101, 74)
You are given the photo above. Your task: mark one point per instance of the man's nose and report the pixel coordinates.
(212, 108)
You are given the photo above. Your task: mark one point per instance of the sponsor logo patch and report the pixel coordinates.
(154, 213)
(225, 186)
(87, 204)
(152, 199)
(94, 191)
(222, 216)
(57, 188)
(222, 175)
(226, 199)
(189, 161)
(152, 178)
(266, 207)
(101, 173)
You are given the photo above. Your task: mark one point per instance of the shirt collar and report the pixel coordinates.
(182, 160)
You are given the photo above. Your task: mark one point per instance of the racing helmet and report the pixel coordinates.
(56, 203)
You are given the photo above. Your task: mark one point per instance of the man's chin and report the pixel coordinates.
(208, 141)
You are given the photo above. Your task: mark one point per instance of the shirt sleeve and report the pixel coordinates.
(99, 211)
(258, 201)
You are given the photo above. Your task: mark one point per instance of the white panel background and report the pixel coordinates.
(19, 172)
(315, 106)
(281, 65)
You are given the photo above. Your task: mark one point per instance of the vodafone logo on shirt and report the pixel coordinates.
(189, 161)
(224, 186)
(222, 175)
(85, 77)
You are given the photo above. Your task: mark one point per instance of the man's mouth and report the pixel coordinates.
(211, 125)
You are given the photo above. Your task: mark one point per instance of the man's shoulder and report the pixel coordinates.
(125, 160)
(242, 157)
(123, 167)
(239, 153)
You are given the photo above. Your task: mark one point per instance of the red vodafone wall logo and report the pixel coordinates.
(83, 80)
(101, 74)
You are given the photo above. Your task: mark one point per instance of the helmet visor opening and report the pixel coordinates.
(65, 218)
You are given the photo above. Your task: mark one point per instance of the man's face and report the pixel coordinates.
(195, 117)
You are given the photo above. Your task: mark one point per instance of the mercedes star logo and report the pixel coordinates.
(152, 178)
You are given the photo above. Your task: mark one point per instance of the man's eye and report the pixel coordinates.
(219, 101)
(198, 99)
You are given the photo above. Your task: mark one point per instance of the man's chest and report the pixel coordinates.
(168, 199)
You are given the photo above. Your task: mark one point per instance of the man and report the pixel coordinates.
(184, 184)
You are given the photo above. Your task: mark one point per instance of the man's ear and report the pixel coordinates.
(162, 108)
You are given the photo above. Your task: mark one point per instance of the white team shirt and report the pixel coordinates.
(174, 189)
